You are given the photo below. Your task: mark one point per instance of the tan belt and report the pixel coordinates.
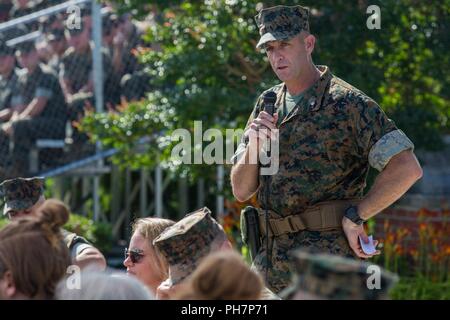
(320, 217)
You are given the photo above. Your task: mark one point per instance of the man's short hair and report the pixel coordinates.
(5, 50)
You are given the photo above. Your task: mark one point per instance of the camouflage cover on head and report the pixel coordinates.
(25, 47)
(5, 50)
(334, 277)
(187, 241)
(281, 23)
(21, 193)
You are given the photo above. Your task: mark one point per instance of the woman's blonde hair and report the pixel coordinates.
(150, 228)
(32, 249)
(222, 276)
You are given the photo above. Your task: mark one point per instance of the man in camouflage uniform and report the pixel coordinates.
(185, 244)
(24, 196)
(76, 70)
(8, 80)
(331, 277)
(329, 134)
(58, 45)
(39, 109)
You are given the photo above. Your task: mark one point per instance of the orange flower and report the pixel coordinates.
(422, 227)
(446, 250)
(170, 15)
(390, 238)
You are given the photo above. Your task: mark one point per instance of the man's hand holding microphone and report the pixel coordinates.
(260, 129)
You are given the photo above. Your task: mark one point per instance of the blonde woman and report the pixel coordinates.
(142, 259)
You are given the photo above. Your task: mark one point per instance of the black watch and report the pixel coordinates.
(352, 214)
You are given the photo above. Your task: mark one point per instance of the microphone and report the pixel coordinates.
(269, 99)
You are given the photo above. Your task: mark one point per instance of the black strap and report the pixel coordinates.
(78, 239)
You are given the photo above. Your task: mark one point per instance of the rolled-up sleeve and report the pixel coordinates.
(388, 146)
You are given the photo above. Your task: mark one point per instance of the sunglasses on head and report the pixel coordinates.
(135, 255)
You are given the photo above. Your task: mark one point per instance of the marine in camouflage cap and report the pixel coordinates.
(330, 133)
(21, 193)
(5, 50)
(188, 241)
(325, 276)
(281, 23)
(25, 47)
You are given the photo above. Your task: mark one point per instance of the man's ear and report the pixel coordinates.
(7, 285)
(310, 42)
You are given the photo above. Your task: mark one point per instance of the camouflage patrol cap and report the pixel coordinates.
(186, 242)
(281, 23)
(25, 47)
(5, 50)
(21, 193)
(334, 277)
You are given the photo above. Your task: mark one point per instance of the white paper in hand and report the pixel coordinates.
(367, 248)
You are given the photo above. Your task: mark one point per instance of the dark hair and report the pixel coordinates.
(222, 276)
(32, 249)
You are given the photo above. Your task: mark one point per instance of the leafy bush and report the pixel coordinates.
(420, 288)
(3, 222)
(99, 234)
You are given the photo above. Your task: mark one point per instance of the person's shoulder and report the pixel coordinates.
(22, 75)
(276, 88)
(68, 54)
(47, 71)
(346, 94)
(15, 74)
(14, 79)
(71, 238)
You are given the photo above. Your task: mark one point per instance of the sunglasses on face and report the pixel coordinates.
(135, 255)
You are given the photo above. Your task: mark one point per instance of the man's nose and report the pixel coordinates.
(277, 55)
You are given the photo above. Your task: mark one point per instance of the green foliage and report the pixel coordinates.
(420, 289)
(3, 222)
(123, 131)
(208, 69)
(98, 233)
